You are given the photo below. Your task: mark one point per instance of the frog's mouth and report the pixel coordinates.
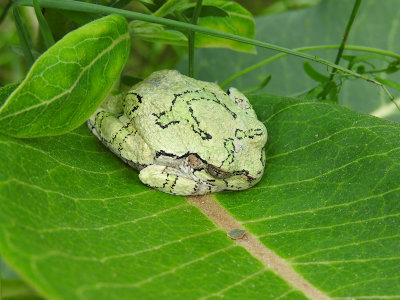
(220, 174)
(217, 172)
(196, 163)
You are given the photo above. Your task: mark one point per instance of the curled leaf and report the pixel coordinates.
(67, 82)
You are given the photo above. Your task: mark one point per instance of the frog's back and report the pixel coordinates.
(180, 115)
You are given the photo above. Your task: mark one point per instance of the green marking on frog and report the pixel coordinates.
(185, 136)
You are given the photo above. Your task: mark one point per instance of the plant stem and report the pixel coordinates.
(275, 57)
(44, 27)
(96, 8)
(166, 8)
(24, 37)
(5, 11)
(327, 85)
(191, 39)
(345, 36)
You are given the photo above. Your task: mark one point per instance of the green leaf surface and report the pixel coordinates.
(93, 231)
(77, 224)
(236, 20)
(6, 272)
(226, 16)
(156, 32)
(68, 82)
(15, 289)
(317, 76)
(328, 203)
(322, 24)
(6, 91)
(168, 7)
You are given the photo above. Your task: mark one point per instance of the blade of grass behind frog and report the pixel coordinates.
(43, 26)
(24, 37)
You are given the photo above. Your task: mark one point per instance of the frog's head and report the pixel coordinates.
(240, 164)
(247, 164)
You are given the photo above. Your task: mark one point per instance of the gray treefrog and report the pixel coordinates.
(185, 136)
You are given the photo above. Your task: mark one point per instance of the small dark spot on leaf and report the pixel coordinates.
(236, 234)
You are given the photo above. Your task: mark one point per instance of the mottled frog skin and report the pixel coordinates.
(185, 136)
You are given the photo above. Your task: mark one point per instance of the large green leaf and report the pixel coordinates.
(69, 81)
(77, 223)
(376, 25)
(5, 91)
(6, 271)
(329, 203)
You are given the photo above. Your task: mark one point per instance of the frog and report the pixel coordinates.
(184, 136)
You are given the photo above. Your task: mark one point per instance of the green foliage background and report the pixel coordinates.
(375, 26)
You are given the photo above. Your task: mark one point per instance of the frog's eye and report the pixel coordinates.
(217, 172)
(195, 162)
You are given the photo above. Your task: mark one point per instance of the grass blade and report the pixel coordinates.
(24, 37)
(43, 26)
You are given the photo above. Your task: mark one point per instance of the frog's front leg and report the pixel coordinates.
(119, 135)
(173, 181)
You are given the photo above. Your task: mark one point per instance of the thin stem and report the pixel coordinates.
(392, 99)
(44, 27)
(5, 11)
(275, 57)
(166, 8)
(328, 84)
(196, 14)
(24, 37)
(120, 3)
(96, 8)
(346, 35)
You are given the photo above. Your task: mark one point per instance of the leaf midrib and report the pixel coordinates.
(226, 222)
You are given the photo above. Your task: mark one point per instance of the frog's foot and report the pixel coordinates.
(173, 181)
